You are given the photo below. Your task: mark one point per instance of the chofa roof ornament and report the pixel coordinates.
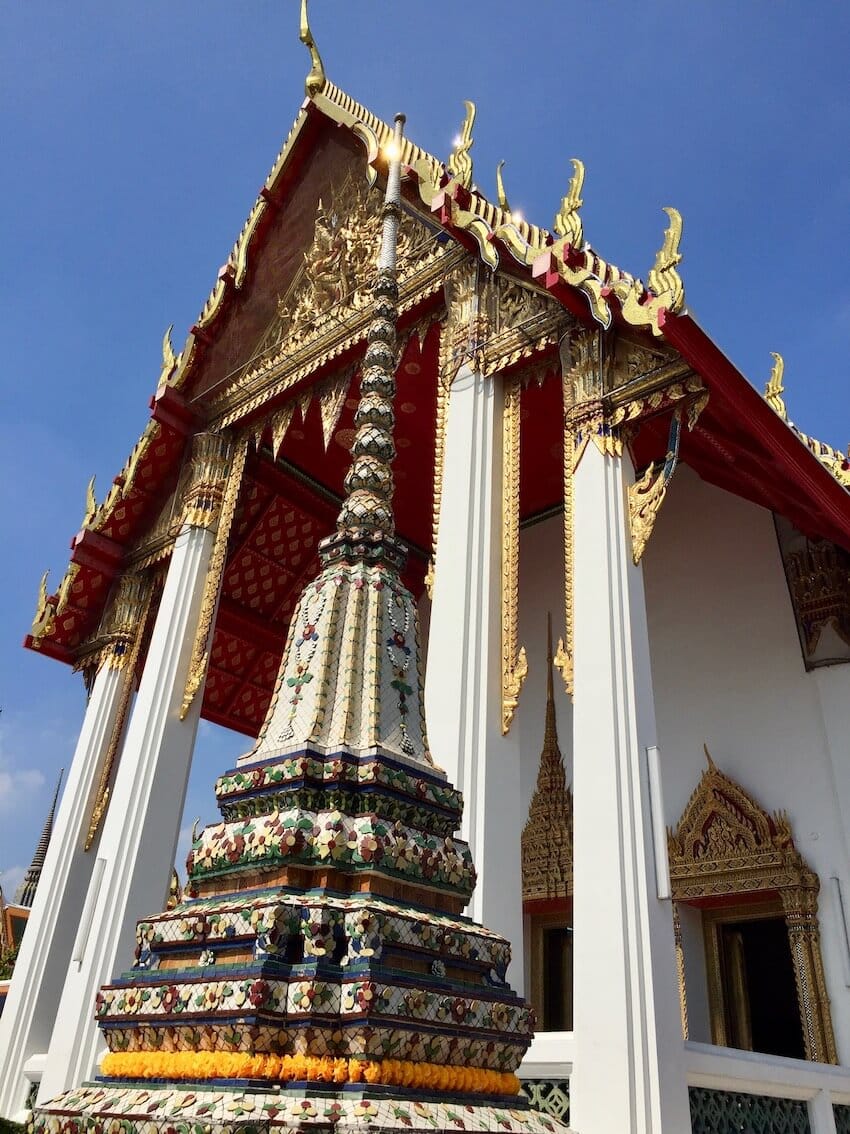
(316, 78)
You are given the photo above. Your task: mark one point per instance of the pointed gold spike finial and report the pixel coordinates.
(168, 356)
(91, 502)
(663, 278)
(460, 163)
(500, 189)
(712, 767)
(42, 590)
(316, 79)
(42, 623)
(568, 223)
(774, 389)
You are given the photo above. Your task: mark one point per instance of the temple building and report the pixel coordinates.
(631, 575)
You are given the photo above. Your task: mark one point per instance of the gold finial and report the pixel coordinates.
(712, 767)
(45, 614)
(42, 591)
(91, 502)
(663, 278)
(460, 163)
(500, 189)
(316, 79)
(774, 389)
(568, 223)
(168, 356)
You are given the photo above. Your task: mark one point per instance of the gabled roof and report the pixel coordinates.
(740, 442)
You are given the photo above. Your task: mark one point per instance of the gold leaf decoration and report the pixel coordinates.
(567, 222)
(500, 189)
(774, 389)
(316, 78)
(663, 278)
(460, 163)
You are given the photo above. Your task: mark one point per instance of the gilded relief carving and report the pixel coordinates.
(514, 660)
(725, 845)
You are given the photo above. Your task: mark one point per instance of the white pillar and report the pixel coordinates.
(463, 697)
(30, 1008)
(139, 838)
(629, 1073)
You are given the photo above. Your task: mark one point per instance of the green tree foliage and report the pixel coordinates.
(7, 962)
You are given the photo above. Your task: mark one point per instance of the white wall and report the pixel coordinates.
(727, 671)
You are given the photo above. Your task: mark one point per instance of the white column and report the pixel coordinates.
(140, 831)
(463, 698)
(30, 1009)
(629, 1072)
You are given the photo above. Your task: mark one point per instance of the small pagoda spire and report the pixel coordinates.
(548, 833)
(26, 891)
(551, 777)
(369, 481)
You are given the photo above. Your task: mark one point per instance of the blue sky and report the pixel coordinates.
(135, 138)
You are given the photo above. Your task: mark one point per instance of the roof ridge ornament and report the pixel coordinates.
(774, 389)
(91, 503)
(169, 358)
(316, 78)
(500, 189)
(567, 223)
(460, 163)
(663, 279)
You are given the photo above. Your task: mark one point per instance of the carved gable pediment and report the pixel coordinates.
(725, 843)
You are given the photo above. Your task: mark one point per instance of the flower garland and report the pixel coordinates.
(197, 1065)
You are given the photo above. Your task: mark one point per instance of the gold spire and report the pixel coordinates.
(774, 389)
(567, 222)
(316, 78)
(460, 163)
(547, 838)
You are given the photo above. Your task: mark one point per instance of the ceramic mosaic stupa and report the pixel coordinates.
(319, 972)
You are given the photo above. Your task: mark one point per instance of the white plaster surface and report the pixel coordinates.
(30, 1009)
(139, 837)
(728, 671)
(463, 679)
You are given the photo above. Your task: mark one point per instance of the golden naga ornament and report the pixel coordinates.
(460, 163)
(567, 222)
(316, 78)
(666, 290)
(91, 503)
(774, 389)
(663, 278)
(169, 358)
(500, 189)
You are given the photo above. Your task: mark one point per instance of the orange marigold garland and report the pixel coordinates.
(323, 1069)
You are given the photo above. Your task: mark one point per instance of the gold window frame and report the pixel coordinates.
(727, 854)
